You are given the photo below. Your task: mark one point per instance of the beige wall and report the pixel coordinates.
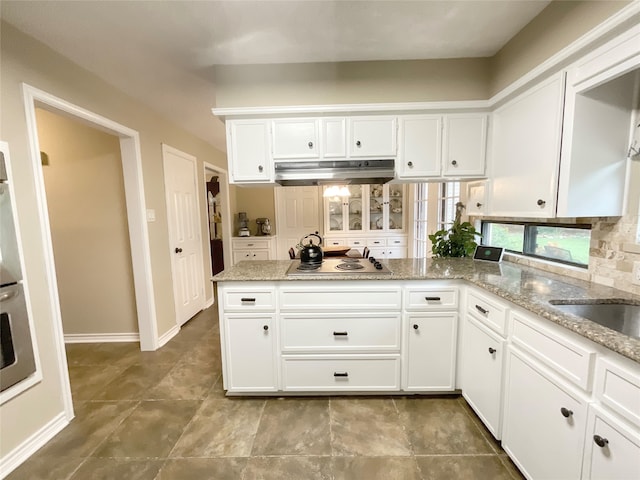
(88, 218)
(559, 24)
(352, 82)
(257, 202)
(24, 59)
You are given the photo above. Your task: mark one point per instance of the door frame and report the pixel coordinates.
(136, 218)
(226, 217)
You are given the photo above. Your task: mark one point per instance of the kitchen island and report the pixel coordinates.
(561, 392)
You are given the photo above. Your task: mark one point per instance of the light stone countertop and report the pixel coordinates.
(524, 286)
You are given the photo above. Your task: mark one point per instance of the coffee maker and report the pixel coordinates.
(243, 225)
(264, 227)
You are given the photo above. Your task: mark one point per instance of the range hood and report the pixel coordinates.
(324, 172)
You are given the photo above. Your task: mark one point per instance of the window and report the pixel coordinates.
(421, 229)
(559, 243)
(448, 197)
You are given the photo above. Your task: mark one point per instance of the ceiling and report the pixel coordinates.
(159, 52)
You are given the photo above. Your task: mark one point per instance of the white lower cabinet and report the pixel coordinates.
(611, 449)
(430, 357)
(544, 421)
(250, 343)
(482, 356)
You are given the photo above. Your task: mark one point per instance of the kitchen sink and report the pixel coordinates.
(621, 316)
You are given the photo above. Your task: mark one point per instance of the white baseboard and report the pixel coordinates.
(101, 337)
(15, 458)
(209, 303)
(168, 335)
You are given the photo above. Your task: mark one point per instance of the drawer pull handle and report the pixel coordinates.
(432, 299)
(265, 328)
(340, 334)
(566, 413)
(482, 310)
(340, 374)
(600, 441)
(492, 350)
(415, 326)
(247, 300)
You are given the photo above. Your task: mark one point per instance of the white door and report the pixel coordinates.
(183, 207)
(298, 213)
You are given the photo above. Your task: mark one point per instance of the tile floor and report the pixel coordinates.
(163, 415)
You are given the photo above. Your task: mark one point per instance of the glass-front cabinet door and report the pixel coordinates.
(334, 217)
(355, 209)
(396, 207)
(386, 208)
(377, 220)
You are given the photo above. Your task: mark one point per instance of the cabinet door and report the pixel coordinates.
(250, 351)
(544, 421)
(481, 372)
(354, 209)
(372, 137)
(465, 145)
(239, 255)
(612, 450)
(419, 146)
(526, 152)
(295, 138)
(395, 205)
(249, 156)
(335, 214)
(431, 352)
(334, 137)
(476, 198)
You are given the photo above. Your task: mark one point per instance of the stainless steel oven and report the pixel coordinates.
(17, 360)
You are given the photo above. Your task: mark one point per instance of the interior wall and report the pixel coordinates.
(23, 59)
(257, 202)
(88, 217)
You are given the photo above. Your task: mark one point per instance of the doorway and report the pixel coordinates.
(218, 217)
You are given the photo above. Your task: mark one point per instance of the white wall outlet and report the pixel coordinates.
(151, 215)
(635, 276)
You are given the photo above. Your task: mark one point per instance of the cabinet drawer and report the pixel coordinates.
(340, 333)
(489, 312)
(250, 300)
(240, 255)
(352, 373)
(619, 388)
(567, 357)
(431, 298)
(397, 242)
(340, 297)
(356, 242)
(335, 241)
(377, 242)
(252, 244)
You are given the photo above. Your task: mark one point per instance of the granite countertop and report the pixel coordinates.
(524, 286)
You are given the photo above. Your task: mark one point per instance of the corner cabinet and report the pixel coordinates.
(249, 152)
(526, 152)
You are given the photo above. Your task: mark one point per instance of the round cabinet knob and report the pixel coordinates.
(415, 326)
(260, 168)
(492, 350)
(178, 250)
(265, 327)
(478, 204)
(454, 162)
(310, 144)
(410, 164)
(541, 203)
(566, 413)
(600, 441)
(358, 143)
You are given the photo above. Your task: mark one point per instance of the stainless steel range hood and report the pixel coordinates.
(324, 172)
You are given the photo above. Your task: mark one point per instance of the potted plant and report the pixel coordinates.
(457, 241)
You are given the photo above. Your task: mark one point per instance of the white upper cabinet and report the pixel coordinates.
(373, 136)
(464, 145)
(526, 152)
(296, 138)
(436, 146)
(419, 146)
(249, 157)
(477, 198)
(334, 137)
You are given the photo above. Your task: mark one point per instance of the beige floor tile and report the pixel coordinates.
(288, 468)
(185, 382)
(222, 427)
(367, 426)
(133, 382)
(88, 380)
(440, 426)
(151, 431)
(118, 468)
(375, 468)
(462, 467)
(46, 468)
(202, 469)
(294, 426)
(511, 467)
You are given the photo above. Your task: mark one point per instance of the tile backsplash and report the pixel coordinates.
(613, 248)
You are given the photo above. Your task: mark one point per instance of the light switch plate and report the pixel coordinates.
(151, 215)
